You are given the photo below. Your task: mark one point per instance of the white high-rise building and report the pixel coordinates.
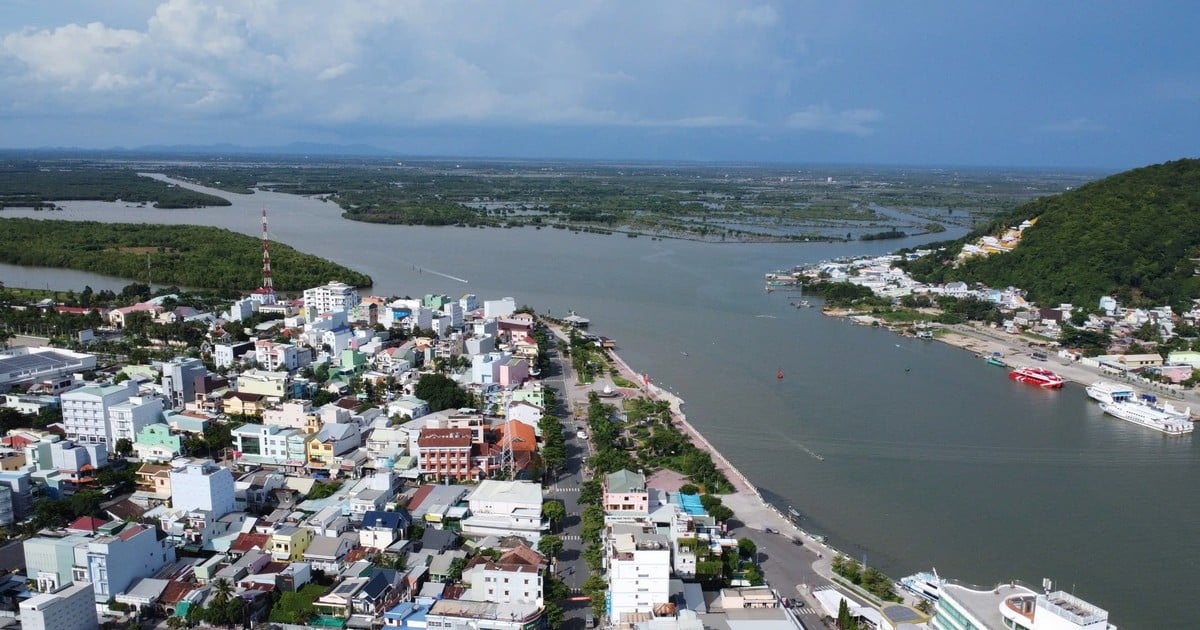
(639, 569)
(72, 608)
(85, 411)
(128, 418)
(335, 296)
(202, 485)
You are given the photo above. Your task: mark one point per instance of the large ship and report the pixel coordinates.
(1122, 402)
(1041, 377)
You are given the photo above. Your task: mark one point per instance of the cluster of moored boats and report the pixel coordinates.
(1116, 399)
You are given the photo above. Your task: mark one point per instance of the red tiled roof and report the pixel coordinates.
(441, 438)
(249, 540)
(522, 554)
(87, 523)
(418, 497)
(175, 591)
(130, 532)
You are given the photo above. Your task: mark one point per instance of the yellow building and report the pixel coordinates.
(289, 543)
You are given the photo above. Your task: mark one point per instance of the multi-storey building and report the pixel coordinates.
(202, 485)
(446, 454)
(179, 380)
(85, 411)
(114, 561)
(71, 608)
(335, 296)
(639, 569)
(127, 419)
(273, 356)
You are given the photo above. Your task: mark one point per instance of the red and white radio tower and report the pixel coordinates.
(268, 289)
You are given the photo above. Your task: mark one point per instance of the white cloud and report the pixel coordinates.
(1080, 124)
(405, 63)
(858, 122)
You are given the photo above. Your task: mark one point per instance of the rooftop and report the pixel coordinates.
(625, 481)
(508, 491)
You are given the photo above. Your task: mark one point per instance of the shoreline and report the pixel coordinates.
(749, 506)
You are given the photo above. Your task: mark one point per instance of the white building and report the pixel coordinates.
(275, 357)
(335, 296)
(639, 569)
(494, 309)
(85, 411)
(179, 380)
(202, 485)
(504, 583)
(505, 508)
(112, 563)
(71, 608)
(127, 419)
(1014, 607)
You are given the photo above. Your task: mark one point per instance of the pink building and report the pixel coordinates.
(514, 372)
(625, 496)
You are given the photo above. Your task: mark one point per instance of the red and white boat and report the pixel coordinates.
(1041, 377)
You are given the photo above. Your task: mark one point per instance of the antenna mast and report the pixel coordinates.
(268, 288)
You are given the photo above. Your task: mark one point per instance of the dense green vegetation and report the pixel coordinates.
(30, 184)
(716, 202)
(185, 255)
(1133, 235)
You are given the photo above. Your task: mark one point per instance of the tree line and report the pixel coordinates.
(184, 255)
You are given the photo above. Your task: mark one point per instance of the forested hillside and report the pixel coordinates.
(1132, 235)
(183, 255)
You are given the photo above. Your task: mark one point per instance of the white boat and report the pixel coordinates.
(926, 584)
(1123, 402)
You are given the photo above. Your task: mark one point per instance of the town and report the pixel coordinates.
(346, 461)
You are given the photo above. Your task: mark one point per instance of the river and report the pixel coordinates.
(930, 456)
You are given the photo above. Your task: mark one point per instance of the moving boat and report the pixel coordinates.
(1040, 377)
(1122, 402)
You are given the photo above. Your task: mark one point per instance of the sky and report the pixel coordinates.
(1105, 85)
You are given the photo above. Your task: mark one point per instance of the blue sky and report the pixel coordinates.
(1073, 84)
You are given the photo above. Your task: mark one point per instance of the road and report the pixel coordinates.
(564, 486)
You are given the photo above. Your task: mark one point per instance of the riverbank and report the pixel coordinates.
(752, 510)
(1016, 350)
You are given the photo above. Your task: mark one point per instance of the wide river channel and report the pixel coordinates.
(909, 454)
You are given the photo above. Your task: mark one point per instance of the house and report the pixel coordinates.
(332, 441)
(625, 497)
(153, 482)
(380, 529)
(243, 403)
(328, 553)
(453, 613)
(71, 608)
(274, 385)
(155, 443)
(126, 419)
(265, 445)
(125, 553)
(526, 412)
(502, 583)
(505, 508)
(290, 542)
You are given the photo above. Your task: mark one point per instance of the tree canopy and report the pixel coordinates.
(184, 255)
(1132, 235)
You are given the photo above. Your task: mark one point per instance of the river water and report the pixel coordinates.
(928, 456)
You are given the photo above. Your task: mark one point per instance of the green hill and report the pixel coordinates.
(1132, 235)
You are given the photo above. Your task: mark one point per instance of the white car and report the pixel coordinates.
(581, 435)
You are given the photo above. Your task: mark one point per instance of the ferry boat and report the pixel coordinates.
(927, 585)
(1040, 377)
(1122, 402)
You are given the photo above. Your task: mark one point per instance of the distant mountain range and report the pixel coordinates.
(1135, 235)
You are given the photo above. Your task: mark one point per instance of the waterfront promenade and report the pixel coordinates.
(794, 562)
